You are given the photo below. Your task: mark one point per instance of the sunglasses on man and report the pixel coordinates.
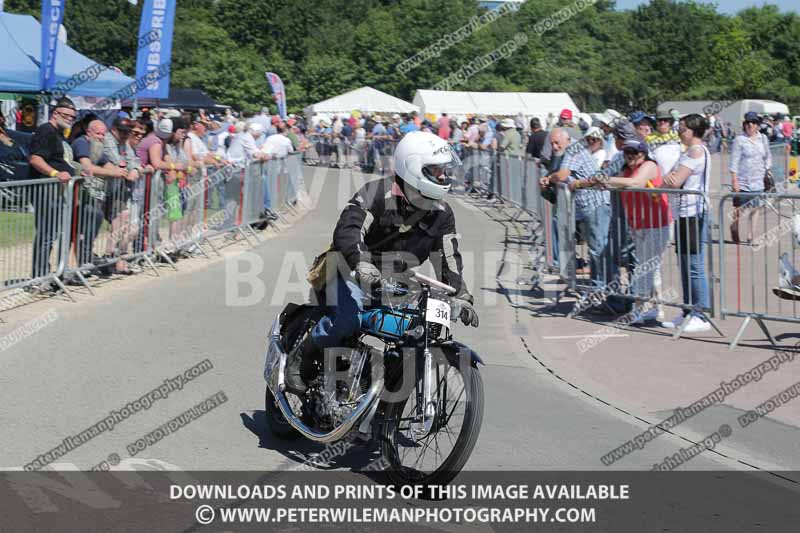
(68, 116)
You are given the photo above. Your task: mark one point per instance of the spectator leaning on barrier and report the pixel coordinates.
(691, 229)
(141, 129)
(537, 141)
(623, 250)
(196, 148)
(577, 168)
(623, 131)
(252, 140)
(512, 142)
(664, 144)
(175, 194)
(606, 123)
(50, 158)
(89, 150)
(649, 217)
(200, 156)
(277, 145)
(487, 147)
(595, 143)
(118, 192)
(150, 149)
(236, 152)
(751, 159)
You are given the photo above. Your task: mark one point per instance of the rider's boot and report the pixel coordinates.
(294, 363)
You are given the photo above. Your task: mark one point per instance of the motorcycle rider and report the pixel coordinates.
(402, 216)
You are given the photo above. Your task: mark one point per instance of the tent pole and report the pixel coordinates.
(135, 112)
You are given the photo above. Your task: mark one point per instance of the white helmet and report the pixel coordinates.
(426, 162)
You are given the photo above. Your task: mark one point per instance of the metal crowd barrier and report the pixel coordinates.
(641, 266)
(35, 216)
(781, 155)
(52, 232)
(757, 279)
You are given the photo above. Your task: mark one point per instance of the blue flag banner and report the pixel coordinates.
(52, 15)
(154, 56)
(278, 93)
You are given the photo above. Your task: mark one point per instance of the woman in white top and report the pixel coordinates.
(750, 160)
(691, 222)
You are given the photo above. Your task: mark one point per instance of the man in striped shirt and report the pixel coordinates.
(592, 205)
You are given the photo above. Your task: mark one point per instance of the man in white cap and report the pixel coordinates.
(250, 140)
(511, 143)
(606, 122)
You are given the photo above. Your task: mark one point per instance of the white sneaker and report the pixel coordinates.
(697, 325)
(788, 277)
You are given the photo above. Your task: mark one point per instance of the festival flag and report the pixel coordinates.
(278, 93)
(52, 15)
(154, 57)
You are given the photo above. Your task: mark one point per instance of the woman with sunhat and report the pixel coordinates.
(648, 216)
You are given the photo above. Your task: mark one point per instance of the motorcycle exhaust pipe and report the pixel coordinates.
(274, 375)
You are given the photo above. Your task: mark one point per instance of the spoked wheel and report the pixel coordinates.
(434, 455)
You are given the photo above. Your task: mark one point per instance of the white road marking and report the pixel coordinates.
(560, 337)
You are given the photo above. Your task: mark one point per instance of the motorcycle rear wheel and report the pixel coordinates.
(293, 334)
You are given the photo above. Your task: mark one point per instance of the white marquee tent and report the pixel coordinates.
(364, 99)
(502, 104)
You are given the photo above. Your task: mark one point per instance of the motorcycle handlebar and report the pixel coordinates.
(433, 283)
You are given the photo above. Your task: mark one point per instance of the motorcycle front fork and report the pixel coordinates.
(425, 412)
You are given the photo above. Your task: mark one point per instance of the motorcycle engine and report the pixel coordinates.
(330, 408)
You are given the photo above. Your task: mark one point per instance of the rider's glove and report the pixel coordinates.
(368, 274)
(468, 315)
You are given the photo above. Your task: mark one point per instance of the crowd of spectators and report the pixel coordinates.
(113, 160)
(589, 153)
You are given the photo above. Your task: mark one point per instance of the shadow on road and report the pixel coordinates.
(305, 452)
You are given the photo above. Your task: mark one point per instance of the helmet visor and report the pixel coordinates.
(443, 173)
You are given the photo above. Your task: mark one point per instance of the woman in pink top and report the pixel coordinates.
(444, 127)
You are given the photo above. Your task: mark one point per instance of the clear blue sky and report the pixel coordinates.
(725, 6)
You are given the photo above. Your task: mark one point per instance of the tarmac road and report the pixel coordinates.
(102, 354)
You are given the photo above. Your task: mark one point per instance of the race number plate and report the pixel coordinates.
(438, 312)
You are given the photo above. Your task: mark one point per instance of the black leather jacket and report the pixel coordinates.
(377, 211)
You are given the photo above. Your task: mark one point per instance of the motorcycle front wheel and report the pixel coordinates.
(434, 457)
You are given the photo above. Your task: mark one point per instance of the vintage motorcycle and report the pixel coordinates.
(416, 391)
